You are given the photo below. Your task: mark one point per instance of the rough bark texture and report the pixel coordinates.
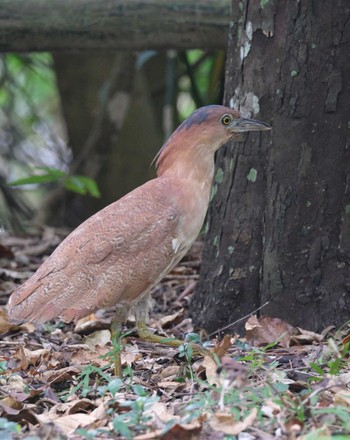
(80, 25)
(279, 226)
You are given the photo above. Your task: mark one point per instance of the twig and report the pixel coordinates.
(238, 320)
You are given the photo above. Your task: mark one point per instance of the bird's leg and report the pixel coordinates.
(116, 338)
(116, 331)
(141, 315)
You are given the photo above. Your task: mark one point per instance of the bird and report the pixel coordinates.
(116, 256)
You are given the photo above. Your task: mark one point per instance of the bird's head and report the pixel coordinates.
(204, 132)
(216, 124)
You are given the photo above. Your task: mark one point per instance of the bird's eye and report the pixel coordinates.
(226, 119)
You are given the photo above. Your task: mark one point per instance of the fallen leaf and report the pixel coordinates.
(211, 370)
(5, 326)
(28, 357)
(166, 321)
(224, 345)
(161, 412)
(265, 330)
(10, 402)
(343, 398)
(172, 386)
(90, 324)
(68, 424)
(28, 327)
(130, 355)
(62, 375)
(270, 409)
(16, 382)
(99, 338)
(188, 431)
(346, 340)
(169, 372)
(227, 424)
(303, 337)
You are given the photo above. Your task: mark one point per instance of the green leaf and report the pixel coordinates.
(193, 337)
(122, 428)
(317, 368)
(115, 385)
(40, 178)
(82, 185)
(72, 183)
(139, 390)
(90, 185)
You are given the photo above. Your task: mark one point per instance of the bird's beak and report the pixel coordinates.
(241, 125)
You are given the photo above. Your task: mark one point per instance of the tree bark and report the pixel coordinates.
(85, 25)
(279, 226)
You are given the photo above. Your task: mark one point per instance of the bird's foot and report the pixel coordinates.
(146, 335)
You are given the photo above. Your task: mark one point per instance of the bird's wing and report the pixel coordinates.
(112, 258)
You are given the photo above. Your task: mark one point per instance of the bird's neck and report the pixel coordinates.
(195, 164)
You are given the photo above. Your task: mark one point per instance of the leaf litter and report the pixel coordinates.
(57, 382)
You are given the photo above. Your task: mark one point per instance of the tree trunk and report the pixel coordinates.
(279, 226)
(88, 25)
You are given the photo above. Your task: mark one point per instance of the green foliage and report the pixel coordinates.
(3, 367)
(88, 381)
(8, 428)
(137, 416)
(201, 83)
(79, 184)
(334, 362)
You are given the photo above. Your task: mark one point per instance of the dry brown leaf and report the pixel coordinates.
(130, 355)
(28, 327)
(223, 346)
(154, 435)
(17, 383)
(161, 412)
(87, 356)
(188, 431)
(346, 340)
(173, 319)
(68, 424)
(227, 424)
(211, 369)
(28, 357)
(265, 330)
(304, 337)
(10, 402)
(23, 415)
(98, 339)
(270, 409)
(5, 326)
(62, 375)
(99, 413)
(84, 325)
(172, 386)
(169, 372)
(342, 398)
(73, 406)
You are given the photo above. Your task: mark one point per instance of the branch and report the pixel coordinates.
(86, 25)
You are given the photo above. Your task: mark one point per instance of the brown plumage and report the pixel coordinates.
(117, 255)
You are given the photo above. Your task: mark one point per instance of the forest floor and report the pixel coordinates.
(57, 380)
